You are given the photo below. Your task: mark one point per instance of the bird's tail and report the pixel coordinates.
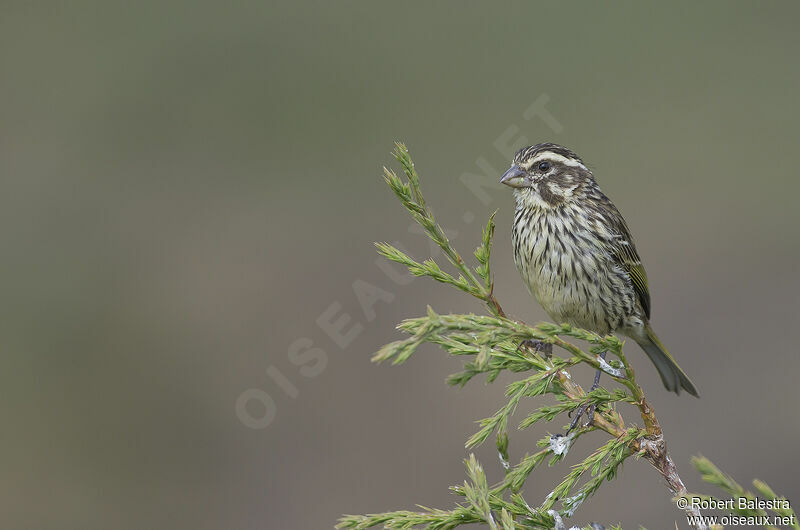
(671, 374)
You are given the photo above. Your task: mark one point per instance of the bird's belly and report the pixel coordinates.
(569, 300)
(574, 283)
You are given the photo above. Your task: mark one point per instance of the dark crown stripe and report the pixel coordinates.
(527, 153)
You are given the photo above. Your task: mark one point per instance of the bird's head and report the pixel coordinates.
(547, 176)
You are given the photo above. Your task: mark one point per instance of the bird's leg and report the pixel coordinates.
(541, 346)
(583, 408)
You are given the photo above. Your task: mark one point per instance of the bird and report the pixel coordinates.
(577, 257)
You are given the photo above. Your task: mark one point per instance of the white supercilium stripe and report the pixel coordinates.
(554, 157)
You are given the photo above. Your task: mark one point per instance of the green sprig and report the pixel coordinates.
(410, 195)
(712, 474)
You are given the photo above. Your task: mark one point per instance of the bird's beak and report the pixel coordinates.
(514, 177)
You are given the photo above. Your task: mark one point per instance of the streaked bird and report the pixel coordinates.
(577, 256)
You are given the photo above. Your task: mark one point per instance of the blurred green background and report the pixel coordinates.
(189, 186)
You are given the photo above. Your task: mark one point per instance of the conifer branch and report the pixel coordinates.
(491, 344)
(410, 196)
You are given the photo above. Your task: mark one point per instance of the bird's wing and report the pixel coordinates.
(623, 251)
(625, 255)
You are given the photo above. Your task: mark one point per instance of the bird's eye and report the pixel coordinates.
(544, 166)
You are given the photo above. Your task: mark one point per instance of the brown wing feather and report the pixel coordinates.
(623, 250)
(638, 277)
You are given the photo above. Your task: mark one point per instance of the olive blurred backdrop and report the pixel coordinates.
(189, 186)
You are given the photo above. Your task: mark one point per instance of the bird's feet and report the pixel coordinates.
(589, 410)
(583, 409)
(540, 346)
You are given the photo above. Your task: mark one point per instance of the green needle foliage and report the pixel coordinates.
(493, 343)
(745, 502)
(410, 195)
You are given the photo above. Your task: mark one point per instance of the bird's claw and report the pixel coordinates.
(545, 348)
(583, 409)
